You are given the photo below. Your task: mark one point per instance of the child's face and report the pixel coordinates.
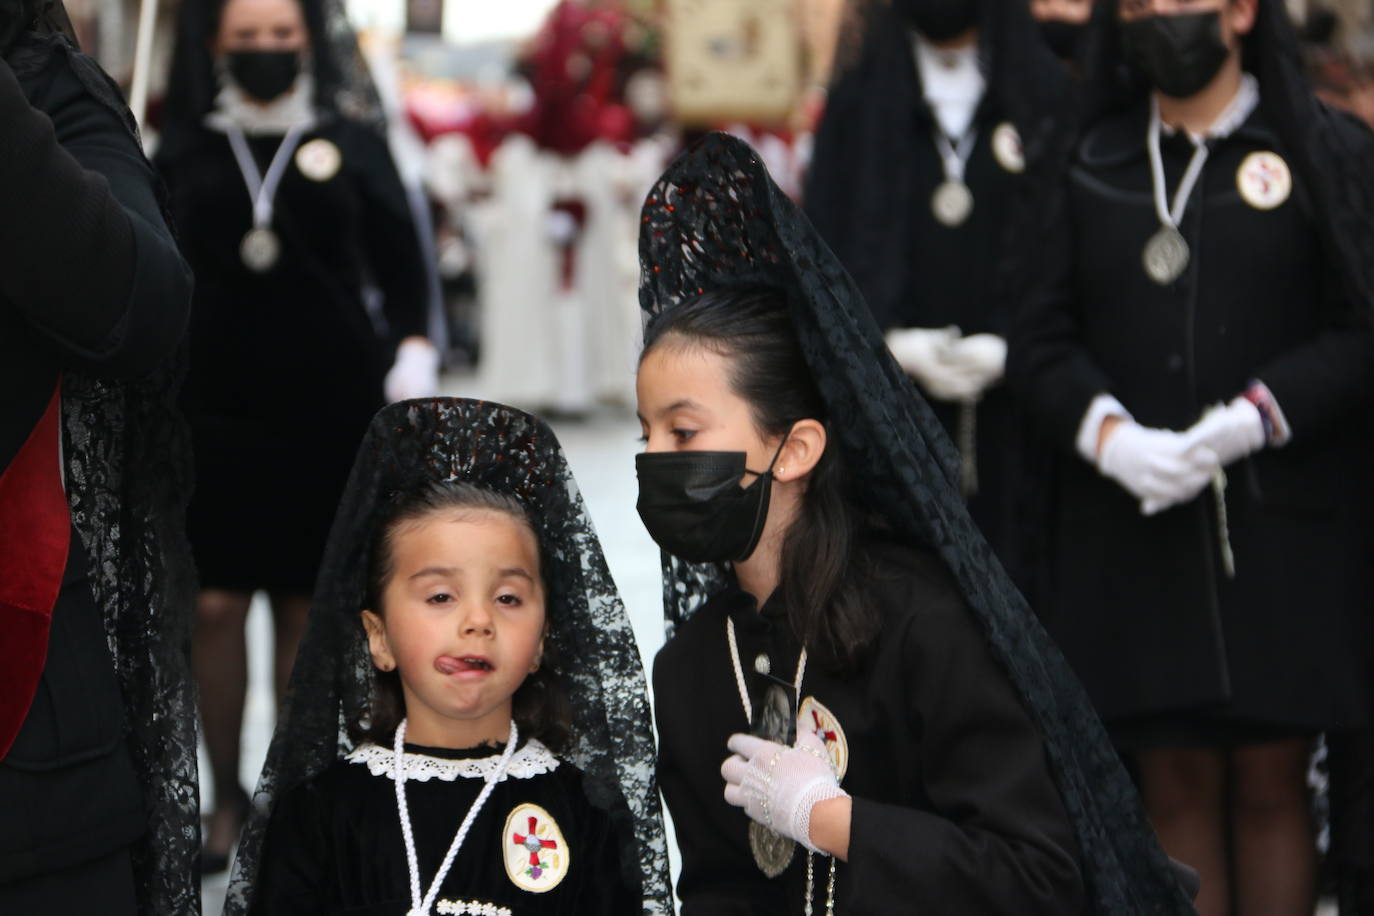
(463, 623)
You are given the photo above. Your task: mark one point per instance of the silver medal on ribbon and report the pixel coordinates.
(1165, 257)
(952, 202)
(260, 249)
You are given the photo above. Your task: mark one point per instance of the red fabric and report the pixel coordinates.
(35, 535)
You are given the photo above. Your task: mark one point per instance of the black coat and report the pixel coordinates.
(90, 282)
(287, 365)
(913, 270)
(1141, 605)
(335, 846)
(954, 805)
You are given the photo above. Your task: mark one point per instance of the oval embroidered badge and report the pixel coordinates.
(536, 854)
(815, 717)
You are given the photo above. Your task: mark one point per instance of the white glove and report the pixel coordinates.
(982, 358)
(778, 785)
(920, 351)
(1159, 467)
(1231, 431)
(415, 374)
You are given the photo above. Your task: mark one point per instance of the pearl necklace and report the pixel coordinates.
(420, 906)
(749, 718)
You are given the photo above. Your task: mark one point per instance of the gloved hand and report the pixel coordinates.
(415, 373)
(1159, 467)
(921, 352)
(980, 358)
(1231, 431)
(778, 785)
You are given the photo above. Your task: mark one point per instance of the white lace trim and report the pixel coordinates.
(470, 908)
(534, 759)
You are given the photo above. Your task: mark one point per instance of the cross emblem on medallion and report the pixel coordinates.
(535, 845)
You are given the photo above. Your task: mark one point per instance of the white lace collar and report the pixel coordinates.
(534, 759)
(295, 107)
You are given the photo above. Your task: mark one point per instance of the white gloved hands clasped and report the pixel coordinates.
(948, 366)
(1232, 431)
(415, 373)
(1159, 467)
(778, 785)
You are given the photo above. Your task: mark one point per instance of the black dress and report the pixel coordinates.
(1141, 605)
(335, 845)
(954, 807)
(287, 365)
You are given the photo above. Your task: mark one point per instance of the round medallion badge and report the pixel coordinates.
(319, 160)
(1007, 149)
(1264, 180)
(817, 718)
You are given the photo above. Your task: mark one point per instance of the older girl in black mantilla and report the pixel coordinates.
(463, 608)
(288, 207)
(914, 738)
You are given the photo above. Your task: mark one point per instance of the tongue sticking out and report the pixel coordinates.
(448, 664)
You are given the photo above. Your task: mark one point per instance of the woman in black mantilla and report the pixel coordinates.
(919, 730)
(288, 209)
(942, 118)
(1202, 360)
(334, 837)
(98, 796)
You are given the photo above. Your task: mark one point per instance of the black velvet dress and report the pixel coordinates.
(335, 845)
(954, 806)
(287, 365)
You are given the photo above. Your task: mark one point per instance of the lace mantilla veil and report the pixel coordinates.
(510, 452)
(715, 220)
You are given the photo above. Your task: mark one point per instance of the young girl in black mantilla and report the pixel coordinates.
(915, 742)
(451, 799)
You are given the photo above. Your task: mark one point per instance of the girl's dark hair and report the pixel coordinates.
(540, 706)
(750, 327)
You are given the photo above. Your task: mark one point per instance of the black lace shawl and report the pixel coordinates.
(860, 186)
(715, 220)
(128, 478)
(1329, 150)
(333, 680)
(343, 85)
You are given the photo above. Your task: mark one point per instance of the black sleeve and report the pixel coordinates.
(393, 246)
(998, 840)
(1328, 378)
(716, 879)
(294, 863)
(1048, 367)
(85, 255)
(607, 889)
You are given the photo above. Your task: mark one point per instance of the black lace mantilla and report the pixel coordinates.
(511, 452)
(716, 220)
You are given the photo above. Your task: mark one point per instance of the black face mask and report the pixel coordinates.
(940, 20)
(694, 507)
(264, 75)
(1063, 37)
(1179, 54)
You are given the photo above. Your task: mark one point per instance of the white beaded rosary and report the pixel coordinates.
(762, 666)
(421, 906)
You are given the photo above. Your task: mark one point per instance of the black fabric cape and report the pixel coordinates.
(333, 679)
(126, 462)
(716, 220)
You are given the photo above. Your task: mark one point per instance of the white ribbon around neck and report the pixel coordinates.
(262, 189)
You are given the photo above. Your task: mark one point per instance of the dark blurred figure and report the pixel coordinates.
(1063, 23)
(98, 796)
(942, 118)
(287, 210)
(1203, 360)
